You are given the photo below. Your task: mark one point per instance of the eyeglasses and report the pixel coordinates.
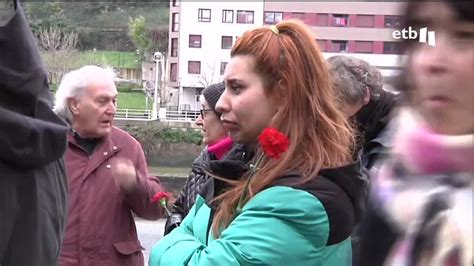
(202, 111)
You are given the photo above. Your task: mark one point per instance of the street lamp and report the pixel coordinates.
(157, 57)
(137, 61)
(137, 52)
(95, 55)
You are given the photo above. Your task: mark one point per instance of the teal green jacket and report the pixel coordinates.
(308, 224)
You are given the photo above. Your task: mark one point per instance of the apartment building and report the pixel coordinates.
(202, 33)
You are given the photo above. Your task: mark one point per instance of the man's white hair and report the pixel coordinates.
(73, 85)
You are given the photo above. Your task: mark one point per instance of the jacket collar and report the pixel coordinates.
(104, 150)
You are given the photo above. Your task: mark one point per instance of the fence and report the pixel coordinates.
(146, 115)
(187, 116)
(133, 114)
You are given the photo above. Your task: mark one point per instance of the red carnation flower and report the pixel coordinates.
(162, 198)
(273, 142)
(159, 196)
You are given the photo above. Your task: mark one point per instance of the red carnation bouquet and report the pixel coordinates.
(273, 144)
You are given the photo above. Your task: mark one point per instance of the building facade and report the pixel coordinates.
(202, 34)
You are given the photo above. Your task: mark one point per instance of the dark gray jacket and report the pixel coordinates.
(33, 181)
(193, 185)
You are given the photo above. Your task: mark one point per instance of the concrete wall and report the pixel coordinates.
(173, 184)
(169, 154)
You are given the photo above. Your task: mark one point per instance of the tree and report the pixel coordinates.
(139, 34)
(159, 39)
(45, 15)
(56, 37)
(58, 51)
(148, 41)
(210, 75)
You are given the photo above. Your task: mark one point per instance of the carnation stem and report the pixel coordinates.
(252, 173)
(167, 211)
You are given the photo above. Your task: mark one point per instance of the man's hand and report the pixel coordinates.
(124, 174)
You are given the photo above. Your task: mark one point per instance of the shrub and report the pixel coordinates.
(126, 86)
(151, 137)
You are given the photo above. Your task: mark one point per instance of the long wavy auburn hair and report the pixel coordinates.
(293, 71)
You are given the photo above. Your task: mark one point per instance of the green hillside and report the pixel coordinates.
(104, 15)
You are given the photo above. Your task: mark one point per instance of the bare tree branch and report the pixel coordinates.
(59, 48)
(206, 78)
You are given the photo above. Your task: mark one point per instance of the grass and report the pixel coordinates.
(132, 100)
(109, 58)
(104, 58)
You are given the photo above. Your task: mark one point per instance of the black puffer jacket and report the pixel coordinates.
(191, 189)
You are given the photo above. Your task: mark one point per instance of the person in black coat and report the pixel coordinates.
(360, 93)
(218, 144)
(33, 181)
(359, 88)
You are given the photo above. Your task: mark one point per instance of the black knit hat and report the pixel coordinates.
(212, 94)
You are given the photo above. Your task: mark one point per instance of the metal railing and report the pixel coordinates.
(183, 116)
(146, 115)
(133, 114)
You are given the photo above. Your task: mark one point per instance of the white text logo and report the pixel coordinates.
(412, 34)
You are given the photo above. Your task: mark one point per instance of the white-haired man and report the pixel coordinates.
(108, 176)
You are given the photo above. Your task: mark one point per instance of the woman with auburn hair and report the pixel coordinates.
(288, 194)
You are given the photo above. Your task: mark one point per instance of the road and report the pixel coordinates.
(149, 232)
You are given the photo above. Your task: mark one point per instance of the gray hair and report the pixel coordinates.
(352, 77)
(73, 85)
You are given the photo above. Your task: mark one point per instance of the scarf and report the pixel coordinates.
(220, 148)
(425, 190)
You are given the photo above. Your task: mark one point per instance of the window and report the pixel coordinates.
(194, 41)
(273, 17)
(322, 45)
(245, 17)
(226, 42)
(363, 47)
(322, 20)
(176, 2)
(367, 21)
(174, 72)
(391, 48)
(227, 16)
(175, 22)
(194, 67)
(392, 21)
(339, 46)
(298, 15)
(174, 47)
(340, 20)
(204, 15)
(223, 66)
